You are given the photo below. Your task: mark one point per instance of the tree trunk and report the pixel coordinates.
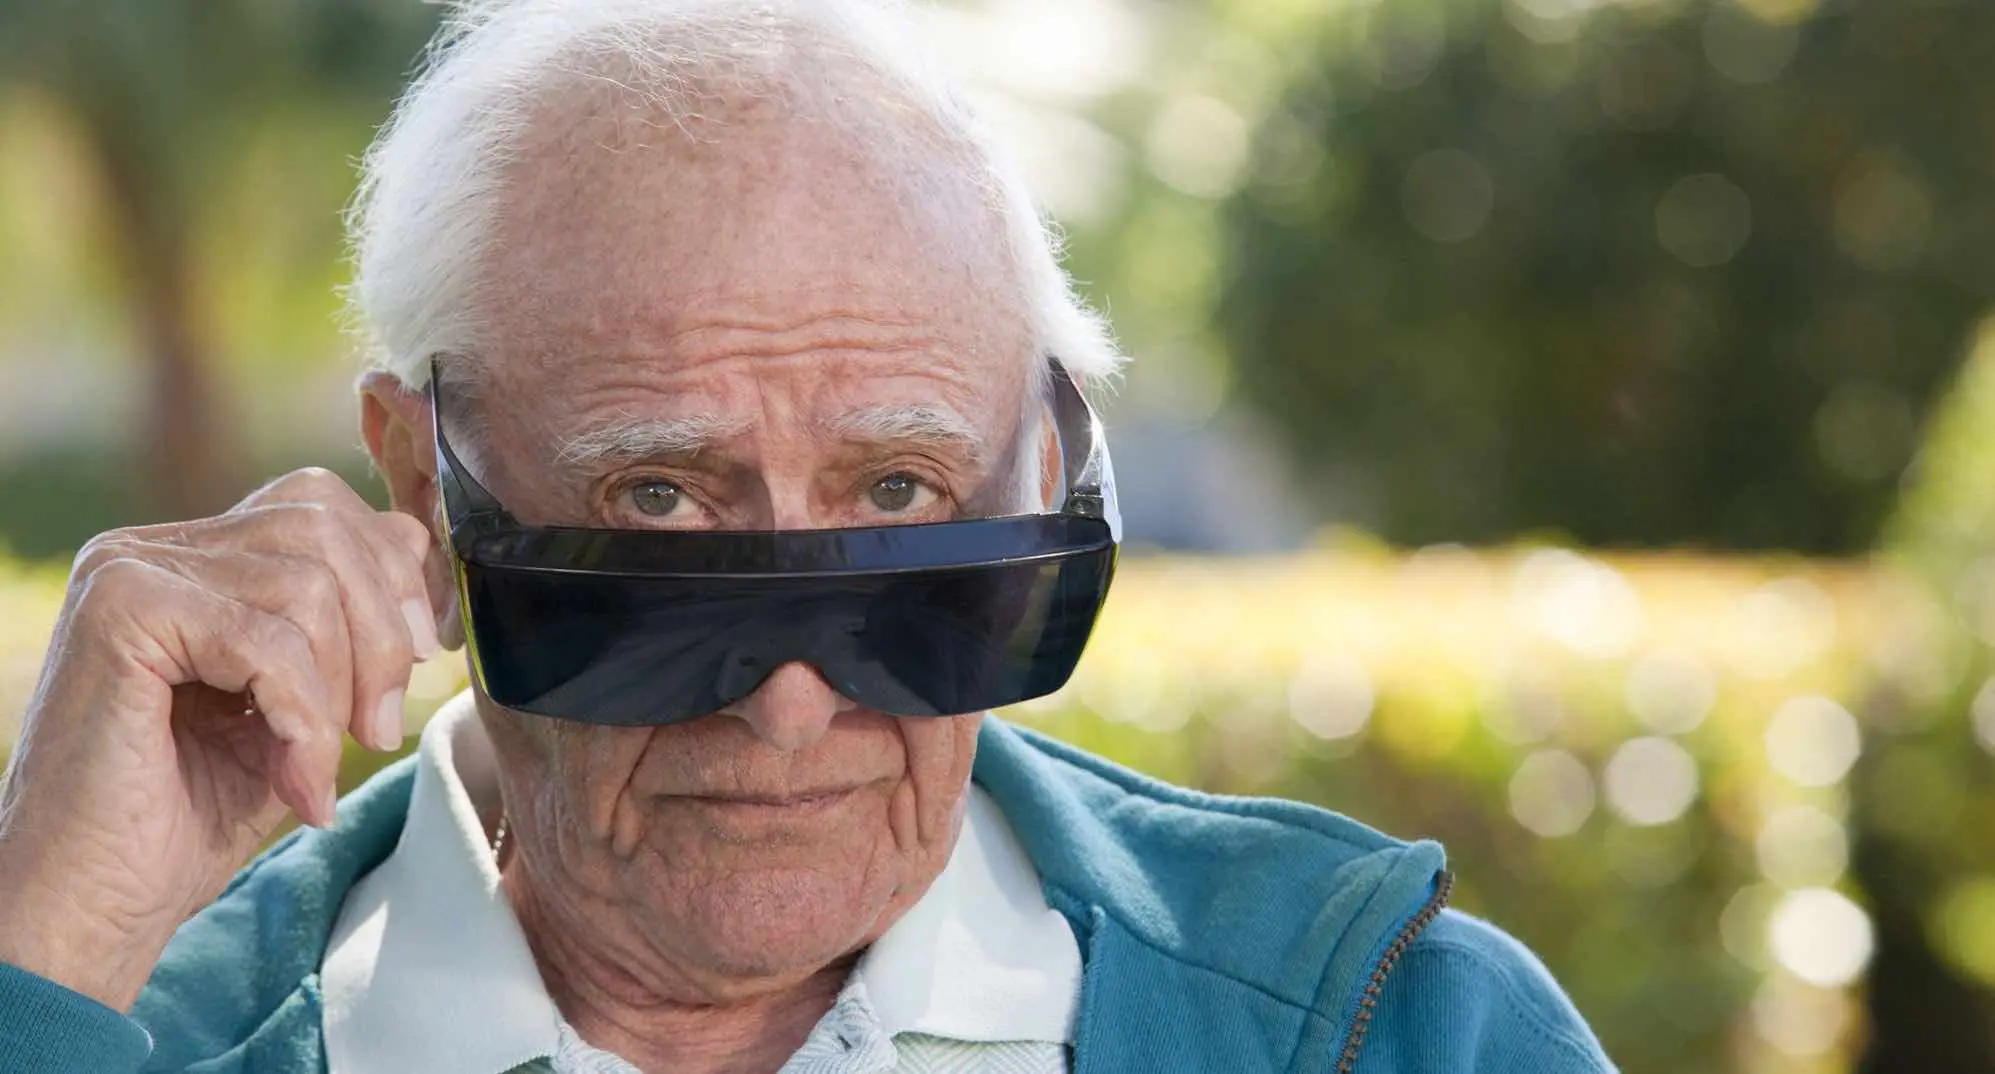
(188, 448)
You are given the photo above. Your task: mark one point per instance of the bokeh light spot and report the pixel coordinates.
(1813, 741)
(1447, 195)
(1747, 50)
(1742, 924)
(1820, 936)
(1551, 793)
(1779, 627)
(1865, 431)
(1671, 692)
(1650, 781)
(1581, 603)
(1780, 12)
(1801, 846)
(1799, 1020)
(1198, 146)
(1704, 220)
(1965, 923)
(1546, 22)
(1984, 715)
(1331, 697)
(1404, 44)
(1883, 213)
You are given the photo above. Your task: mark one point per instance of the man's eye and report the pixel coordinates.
(659, 499)
(896, 493)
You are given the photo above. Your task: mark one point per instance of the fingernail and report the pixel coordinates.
(387, 729)
(329, 807)
(422, 628)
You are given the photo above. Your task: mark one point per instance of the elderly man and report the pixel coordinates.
(725, 394)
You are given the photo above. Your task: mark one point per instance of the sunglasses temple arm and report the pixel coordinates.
(466, 503)
(1084, 454)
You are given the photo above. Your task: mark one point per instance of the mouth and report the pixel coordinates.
(785, 804)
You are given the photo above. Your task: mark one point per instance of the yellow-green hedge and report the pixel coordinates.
(1639, 763)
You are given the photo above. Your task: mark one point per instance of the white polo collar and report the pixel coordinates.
(427, 968)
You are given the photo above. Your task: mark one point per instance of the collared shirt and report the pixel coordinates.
(427, 968)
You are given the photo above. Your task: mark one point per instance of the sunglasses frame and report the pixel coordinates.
(1073, 550)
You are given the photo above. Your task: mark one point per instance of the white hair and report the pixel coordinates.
(430, 182)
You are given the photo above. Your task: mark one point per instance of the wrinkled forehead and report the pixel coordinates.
(641, 239)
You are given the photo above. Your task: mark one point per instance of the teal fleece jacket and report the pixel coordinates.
(1217, 934)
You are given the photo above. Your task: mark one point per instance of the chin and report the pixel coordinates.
(777, 922)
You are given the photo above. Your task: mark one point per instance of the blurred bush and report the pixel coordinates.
(1643, 271)
(1639, 764)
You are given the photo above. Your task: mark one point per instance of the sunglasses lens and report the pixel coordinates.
(643, 650)
(943, 643)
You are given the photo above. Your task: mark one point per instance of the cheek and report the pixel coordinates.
(595, 766)
(929, 801)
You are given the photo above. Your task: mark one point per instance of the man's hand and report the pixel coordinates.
(197, 689)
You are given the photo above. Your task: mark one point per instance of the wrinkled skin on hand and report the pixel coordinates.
(199, 683)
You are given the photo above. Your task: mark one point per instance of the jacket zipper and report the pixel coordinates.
(1353, 1044)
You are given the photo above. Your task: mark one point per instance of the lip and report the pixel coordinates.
(808, 802)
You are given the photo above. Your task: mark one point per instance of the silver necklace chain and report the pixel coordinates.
(499, 838)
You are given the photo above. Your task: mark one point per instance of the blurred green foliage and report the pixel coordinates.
(166, 126)
(1686, 272)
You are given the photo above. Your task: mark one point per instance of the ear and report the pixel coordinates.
(395, 423)
(1052, 461)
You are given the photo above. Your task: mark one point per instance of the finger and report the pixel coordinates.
(385, 624)
(185, 633)
(315, 519)
(384, 603)
(395, 544)
(406, 549)
(371, 631)
(402, 542)
(332, 591)
(313, 484)
(403, 545)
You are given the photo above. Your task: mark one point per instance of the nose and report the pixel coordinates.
(792, 709)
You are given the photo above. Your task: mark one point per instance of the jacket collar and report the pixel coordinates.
(1273, 910)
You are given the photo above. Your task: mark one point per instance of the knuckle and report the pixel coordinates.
(119, 590)
(314, 586)
(314, 518)
(279, 640)
(406, 529)
(324, 485)
(311, 478)
(329, 534)
(117, 580)
(97, 552)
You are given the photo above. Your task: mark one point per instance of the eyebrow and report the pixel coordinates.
(631, 439)
(628, 439)
(926, 425)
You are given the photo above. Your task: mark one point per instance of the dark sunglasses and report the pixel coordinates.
(647, 627)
